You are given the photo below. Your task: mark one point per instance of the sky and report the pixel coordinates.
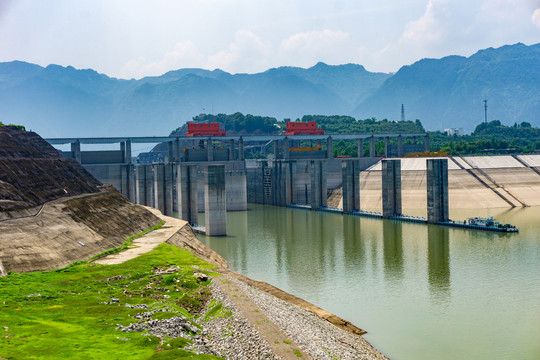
(134, 38)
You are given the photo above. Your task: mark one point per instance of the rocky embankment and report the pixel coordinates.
(52, 211)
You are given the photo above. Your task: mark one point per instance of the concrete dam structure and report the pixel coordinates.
(211, 175)
(185, 181)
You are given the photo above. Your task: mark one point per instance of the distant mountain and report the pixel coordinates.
(450, 92)
(61, 101)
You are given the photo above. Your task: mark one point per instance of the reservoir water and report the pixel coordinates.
(421, 292)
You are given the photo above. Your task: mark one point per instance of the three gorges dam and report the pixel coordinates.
(206, 173)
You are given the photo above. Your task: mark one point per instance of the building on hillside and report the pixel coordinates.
(454, 131)
(211, 129)
(302, 128)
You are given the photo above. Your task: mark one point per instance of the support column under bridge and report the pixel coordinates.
(437, 190)
(391, 187)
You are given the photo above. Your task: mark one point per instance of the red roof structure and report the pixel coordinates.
(302, 128)
(211, 129)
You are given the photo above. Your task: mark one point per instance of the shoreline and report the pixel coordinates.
(287, 305)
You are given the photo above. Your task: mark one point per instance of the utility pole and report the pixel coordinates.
(485, 111)
(402, 112)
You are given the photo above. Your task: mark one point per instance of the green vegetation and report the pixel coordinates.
(348, 125)
(20, 127)
(69, 313)
(489, 138)
(238, 123)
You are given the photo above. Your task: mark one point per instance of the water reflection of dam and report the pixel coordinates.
(438, 256)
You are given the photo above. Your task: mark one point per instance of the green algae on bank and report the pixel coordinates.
(70, 313)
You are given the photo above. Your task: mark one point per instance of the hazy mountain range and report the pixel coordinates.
(60, 101)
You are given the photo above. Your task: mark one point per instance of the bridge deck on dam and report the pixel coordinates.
(250, 138)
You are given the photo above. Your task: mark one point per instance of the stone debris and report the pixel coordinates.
(200, 276)
(138, 306)
(230, 337)
(117, 277)
(228, 333)
(317, 337)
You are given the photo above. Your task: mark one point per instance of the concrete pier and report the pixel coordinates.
(241, 149)
(231, 150)
(215, 201)
(318, 184)
(144, 180)
(276, 149)
(282, 182)
(426, 143)
(350, 172)
(170, 152)
(372, 152)
(210, 149)
(391, 187)
(329, 148)
(163, 194)
(236, 185)
(387, 146)
(360, 148)
(76, 150)
(437, 190)
(286, 149)
(186, 192)
(130, 183)
(400, 146)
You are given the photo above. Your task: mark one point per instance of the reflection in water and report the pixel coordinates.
(390, 277)
(353, 246)
(393, 249)
(438, 253)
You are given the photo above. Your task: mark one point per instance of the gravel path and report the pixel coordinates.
(230, 337)
(319, 338)
(239, 337)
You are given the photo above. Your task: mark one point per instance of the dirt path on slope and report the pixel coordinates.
(146, 242)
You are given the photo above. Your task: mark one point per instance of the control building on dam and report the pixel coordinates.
(292, 173)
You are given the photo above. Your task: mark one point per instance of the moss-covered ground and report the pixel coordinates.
(69, 313)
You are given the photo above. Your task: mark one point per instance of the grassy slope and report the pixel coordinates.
(61, 314)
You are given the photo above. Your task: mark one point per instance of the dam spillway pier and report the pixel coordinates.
(391, 188)
(437, 190)
(350, 170)
(215, 201)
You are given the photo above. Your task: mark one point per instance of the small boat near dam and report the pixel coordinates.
(479, 223)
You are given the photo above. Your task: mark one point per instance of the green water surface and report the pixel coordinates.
(421, 292)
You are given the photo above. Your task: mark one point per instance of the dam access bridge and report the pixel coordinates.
(211, 174)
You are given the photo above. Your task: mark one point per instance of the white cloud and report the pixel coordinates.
(307, 48)
(536, 18)
(429, 28)
(246, 54)
(313, 41)
(184, 54)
